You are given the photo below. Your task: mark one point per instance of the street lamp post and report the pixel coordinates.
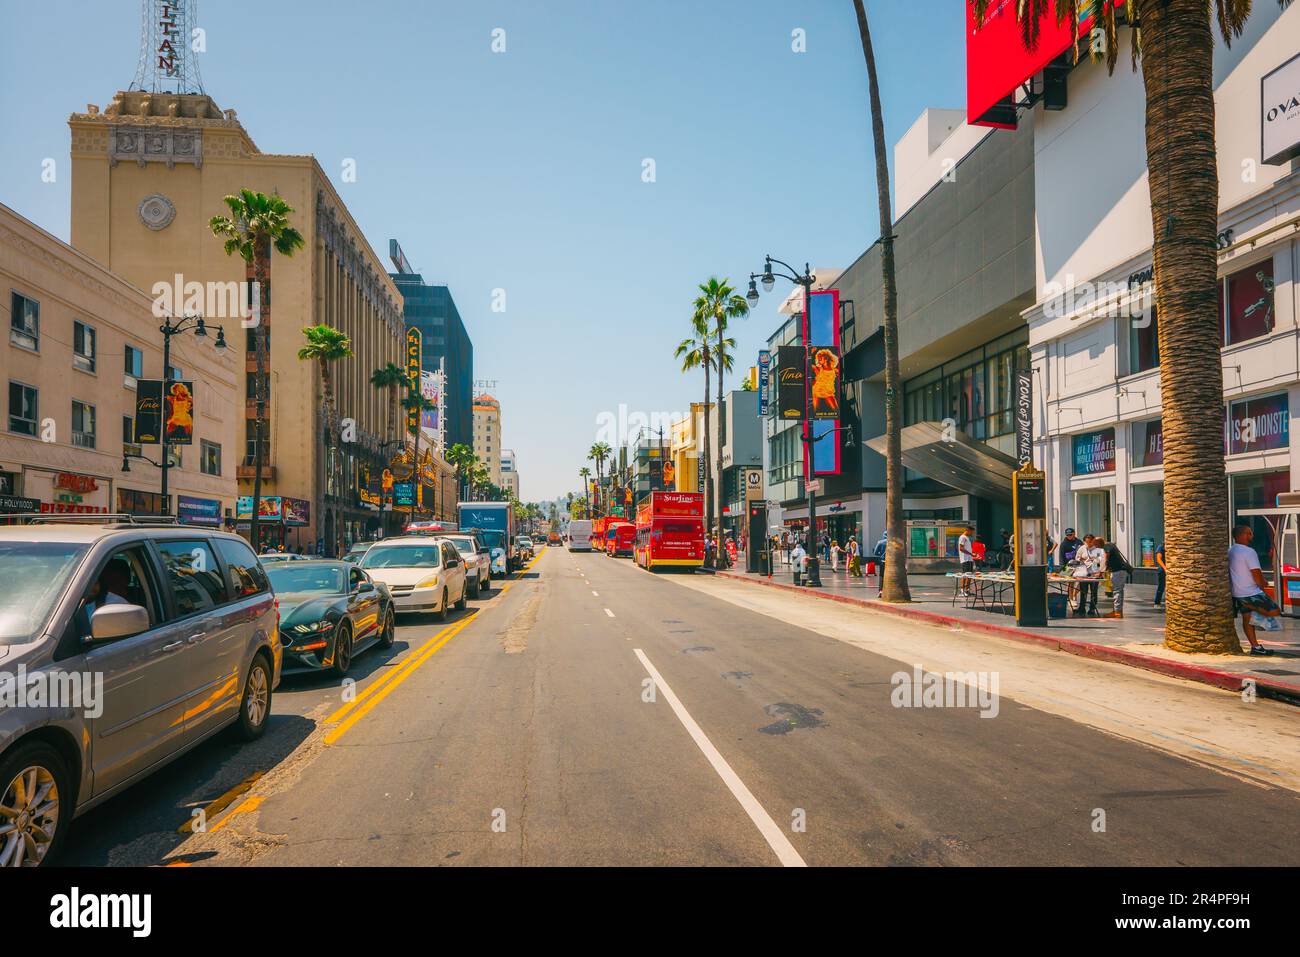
(168, 329)
(806, 280)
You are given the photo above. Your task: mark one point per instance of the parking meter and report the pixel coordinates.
(1029, 505)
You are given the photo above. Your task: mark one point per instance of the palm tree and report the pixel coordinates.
(585, 473)
(718, 300)
(894, 588)
(1175, 48)
(325, 346)
(600, 451)
(257, 224)
(696, 352)
(390, 378)
(462, 458)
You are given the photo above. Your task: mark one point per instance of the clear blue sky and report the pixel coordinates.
(522, 170)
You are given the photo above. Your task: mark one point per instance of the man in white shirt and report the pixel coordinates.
(966, 555)
(1247, 579)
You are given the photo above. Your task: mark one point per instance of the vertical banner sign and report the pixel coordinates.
(414, 346)
(179, 407)
(789, 376)
(1024, 416)
(822, 334)
(148, 411)
(764, 366)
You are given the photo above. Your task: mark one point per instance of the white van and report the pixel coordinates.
(580, 535)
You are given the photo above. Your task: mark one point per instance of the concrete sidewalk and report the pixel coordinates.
(1136, 640)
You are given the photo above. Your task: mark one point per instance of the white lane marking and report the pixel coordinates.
(596, 593)
(776, 840)
(610, 613)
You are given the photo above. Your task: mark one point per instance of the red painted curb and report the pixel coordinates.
(1227, 680)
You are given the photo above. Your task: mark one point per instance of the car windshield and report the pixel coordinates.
(35, 574)
(403, 556)
(463, 545)
(495, 539)
(293, 577)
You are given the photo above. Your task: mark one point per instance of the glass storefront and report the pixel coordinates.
(1259, 490)
(975, 390)
(1147, 517)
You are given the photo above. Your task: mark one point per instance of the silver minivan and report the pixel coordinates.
(123, 644)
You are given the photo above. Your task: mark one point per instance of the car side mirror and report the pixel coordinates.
(364, 587)
(118, 621)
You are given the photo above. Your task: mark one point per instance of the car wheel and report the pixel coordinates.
(475, 588)
(34, 782)
(464, 592)
(342, 650)
(389, 632)
(255, 706)
(442, 609)
(485, 584)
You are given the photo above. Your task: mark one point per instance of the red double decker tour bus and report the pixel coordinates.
(670, 531)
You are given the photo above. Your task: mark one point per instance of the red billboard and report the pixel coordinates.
(997, 61)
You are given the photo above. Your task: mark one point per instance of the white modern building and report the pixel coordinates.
(1093, 333)
(510, 471)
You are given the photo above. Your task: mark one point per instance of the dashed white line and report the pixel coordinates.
(610, 613)
(775, 838)
(596, 593)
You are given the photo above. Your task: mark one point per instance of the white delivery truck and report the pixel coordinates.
(580, 535)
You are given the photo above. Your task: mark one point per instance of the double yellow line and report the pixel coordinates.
(352, 712)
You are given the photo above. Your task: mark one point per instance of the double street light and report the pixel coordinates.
(199, 328)
(806, 279)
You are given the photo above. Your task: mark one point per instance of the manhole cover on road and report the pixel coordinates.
(791, 717)
(687, 651)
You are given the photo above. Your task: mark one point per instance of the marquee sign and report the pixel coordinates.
(1279, 133)
(414, 348)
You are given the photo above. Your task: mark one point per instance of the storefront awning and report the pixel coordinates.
(957, 460)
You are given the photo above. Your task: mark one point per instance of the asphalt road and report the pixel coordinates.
(597, 714)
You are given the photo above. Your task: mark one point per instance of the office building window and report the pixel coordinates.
(250, 443)
(22, 409)
(209, 458)
(1144, 341)
(1246, 303)
(83, 347)
(24, 321)
(976, 390)
(133, 367)
(129, 444)
(83, 425)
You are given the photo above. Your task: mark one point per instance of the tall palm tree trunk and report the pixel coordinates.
(708, 448)
(895, 580)
(723, 557)
(1177, 70)
(261, 272)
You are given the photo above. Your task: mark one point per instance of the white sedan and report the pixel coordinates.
(422, 574)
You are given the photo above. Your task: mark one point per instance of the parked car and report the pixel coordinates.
(422, 574)
(181, 625)
(329, 613)
(478, 561)
(524, 548)
(269, 557)
(357, 552)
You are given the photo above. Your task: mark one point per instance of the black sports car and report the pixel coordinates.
(329, 612)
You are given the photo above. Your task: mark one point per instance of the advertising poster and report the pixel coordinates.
(1024, 416)
(198, 511)
(431, 389)
(1148, 443)
(764, 367)
(1094, 452)
(148, 411)
(268, 510)
(822, 330)
(179, 408)
(1259, 424)
(789, 375)
(297, 511)
(403, 494)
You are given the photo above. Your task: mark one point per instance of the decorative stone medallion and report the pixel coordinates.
(157, 211)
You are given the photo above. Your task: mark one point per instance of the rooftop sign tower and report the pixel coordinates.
(168, 41)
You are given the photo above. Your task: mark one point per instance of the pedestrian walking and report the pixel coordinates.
(1160, 576)
(878, 552)
(835, 555)
(1248, 589)
(1116, 565)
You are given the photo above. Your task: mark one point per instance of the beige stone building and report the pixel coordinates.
(79, 339)
(487, 435)
(148, 173)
